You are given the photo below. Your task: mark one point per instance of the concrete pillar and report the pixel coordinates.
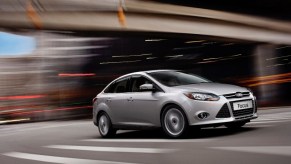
(267, 94)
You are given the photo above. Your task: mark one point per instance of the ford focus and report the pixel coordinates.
(171, 100)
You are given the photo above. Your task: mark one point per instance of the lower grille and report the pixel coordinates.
(223, 112)
(243, 112)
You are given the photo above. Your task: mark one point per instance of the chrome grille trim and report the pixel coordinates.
(233, 95)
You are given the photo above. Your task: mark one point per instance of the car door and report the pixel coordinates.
(143, 105)
(117, 100)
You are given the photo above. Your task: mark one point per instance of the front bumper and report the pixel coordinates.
(216, 116)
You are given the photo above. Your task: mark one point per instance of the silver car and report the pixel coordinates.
(173, 100)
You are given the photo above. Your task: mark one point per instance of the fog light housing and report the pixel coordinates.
(202, 115)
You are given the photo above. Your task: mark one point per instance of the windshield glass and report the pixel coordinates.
(176, 78)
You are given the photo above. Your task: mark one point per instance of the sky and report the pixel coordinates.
(11, 44)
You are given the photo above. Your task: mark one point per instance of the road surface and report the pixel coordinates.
(264, 140)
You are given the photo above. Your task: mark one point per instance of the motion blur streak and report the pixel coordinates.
(32, 14)
(15, 120)
(19, 107)
(53, 110)
(21, 97)
(75, 74)
(264, 80)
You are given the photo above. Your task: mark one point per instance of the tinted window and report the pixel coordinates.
(110, 88)
(118, 87)
(175, 78)
(136, 82)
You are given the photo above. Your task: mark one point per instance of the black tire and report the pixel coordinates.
(235, 125)
(176, 126)
(105, 126)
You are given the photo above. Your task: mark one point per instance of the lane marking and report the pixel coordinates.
(270, 114)
(273, 150)
(281, 113)
(258, 126)
(274, 118)
(270, 119)
(275, 115)
(40, 128)
(56, 159)
(267, 122)
(112, 149)
(147, 140)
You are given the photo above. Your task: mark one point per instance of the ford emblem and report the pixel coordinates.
(238, 94)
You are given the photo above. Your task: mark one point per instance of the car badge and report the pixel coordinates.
(238, 94)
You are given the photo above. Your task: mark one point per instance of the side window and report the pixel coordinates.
(136, 82)
(110, 89)
(119, 86)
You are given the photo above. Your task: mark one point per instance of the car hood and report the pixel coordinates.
(216, 88)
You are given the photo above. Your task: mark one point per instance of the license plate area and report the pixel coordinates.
(241, 105)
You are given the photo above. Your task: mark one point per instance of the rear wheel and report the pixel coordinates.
(105, 126)
(235, 125)
(174, 121)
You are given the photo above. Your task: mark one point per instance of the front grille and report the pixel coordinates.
(243, 112)
(233, 95)
(223, 112)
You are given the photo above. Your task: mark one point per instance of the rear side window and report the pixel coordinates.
(119, 86)
(110, 88)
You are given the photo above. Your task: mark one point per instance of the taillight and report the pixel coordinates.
(93, 101)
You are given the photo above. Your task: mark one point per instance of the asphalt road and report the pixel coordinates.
(264, 140)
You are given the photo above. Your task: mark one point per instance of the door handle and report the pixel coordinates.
(130, 99)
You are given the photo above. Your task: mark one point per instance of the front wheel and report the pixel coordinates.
(105, 127)
(174, 122)
(235, 125)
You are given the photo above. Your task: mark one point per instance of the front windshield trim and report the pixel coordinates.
(179, 80)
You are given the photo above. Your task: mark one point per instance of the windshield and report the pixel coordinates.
(176, 78)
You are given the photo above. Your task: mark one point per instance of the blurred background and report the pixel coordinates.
(55, 56)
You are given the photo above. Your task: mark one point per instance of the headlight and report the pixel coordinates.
(202, 96)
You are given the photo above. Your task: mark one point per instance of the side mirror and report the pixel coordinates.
(147, 87)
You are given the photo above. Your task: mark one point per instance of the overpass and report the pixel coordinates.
(140, 16)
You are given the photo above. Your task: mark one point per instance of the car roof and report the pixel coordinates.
(151, 71)
(144, 72)
(159, 70)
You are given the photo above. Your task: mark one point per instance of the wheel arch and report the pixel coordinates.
(99, 109)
